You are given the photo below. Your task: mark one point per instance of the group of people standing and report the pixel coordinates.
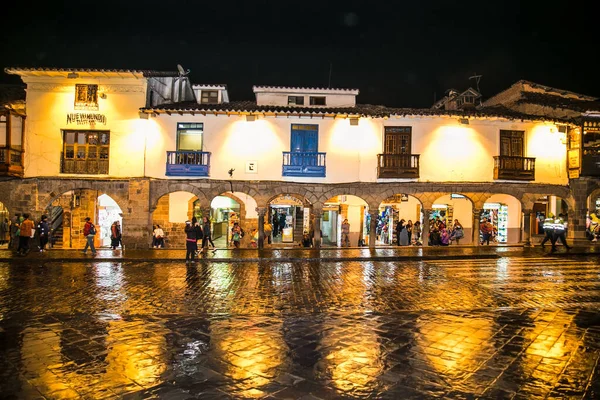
(194, 232)
(22, 231)
(442, 235)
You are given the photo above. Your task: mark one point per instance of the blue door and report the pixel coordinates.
(305, 138)
(304, 158)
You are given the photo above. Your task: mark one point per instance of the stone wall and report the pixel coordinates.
(139, 198)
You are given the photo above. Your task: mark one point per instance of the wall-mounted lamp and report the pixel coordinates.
(72, 75)
(354, 121)
(250, 117)
(103, 96)
(463, 121)
(144, 115)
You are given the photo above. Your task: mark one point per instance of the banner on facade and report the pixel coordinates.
(86, 118)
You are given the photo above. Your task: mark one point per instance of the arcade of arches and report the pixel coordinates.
(515, 208)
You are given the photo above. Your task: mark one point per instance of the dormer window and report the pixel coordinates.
(317, 101)
(295, 100)
(86, 97)
(469, 99)
(210, 97)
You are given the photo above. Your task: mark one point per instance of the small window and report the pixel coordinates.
(469, 99)
(86, 97)
(210, 97)
(189, 136)
(296, 100)
(317, 101)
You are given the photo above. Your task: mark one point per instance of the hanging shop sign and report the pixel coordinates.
(86, 118)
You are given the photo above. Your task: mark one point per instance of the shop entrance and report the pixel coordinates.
(108, 213)
(224, 212)
(335, 211)
(287, 216)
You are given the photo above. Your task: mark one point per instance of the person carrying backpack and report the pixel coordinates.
(43, 232)
(89, 231)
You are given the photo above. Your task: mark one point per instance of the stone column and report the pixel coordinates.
(580, 188)
(425, 230)
(261, 226)
(317, 213)
(526, 232)
(373, 228)
(476, 218)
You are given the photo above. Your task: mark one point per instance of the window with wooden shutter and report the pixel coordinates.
(511, 143)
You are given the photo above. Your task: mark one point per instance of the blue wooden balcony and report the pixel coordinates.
(307, 164)
(188, 163)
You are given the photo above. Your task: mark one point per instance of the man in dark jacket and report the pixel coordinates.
(275, 223)
(43, 231)
(190, 242)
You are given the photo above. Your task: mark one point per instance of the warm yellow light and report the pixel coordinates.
(363, 136)
(251, 140)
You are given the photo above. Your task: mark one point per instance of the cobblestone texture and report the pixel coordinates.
(513, 327)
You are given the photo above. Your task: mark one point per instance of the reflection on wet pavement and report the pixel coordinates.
(508, 328)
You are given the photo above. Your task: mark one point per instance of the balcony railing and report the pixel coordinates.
(397, 165)
(188, 163)
(590, 162)
(309, 164)
(514, 168)
(11, 161)
(97, 166)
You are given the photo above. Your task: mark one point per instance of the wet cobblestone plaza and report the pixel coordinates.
(524, 326)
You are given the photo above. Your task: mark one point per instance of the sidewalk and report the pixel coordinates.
(295, 254)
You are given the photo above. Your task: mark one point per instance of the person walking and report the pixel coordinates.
(282, 222)
(402, 233)
(26, 231)
(207, 235)
(199, 234)
(191, 242)
(487, 229)
(89, 231)
(345, 233)
(559, 232)
(549, 231)
(115, 235)
(43, 229)
(409, 230)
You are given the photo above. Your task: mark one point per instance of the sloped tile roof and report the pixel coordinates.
(145, 72)
(11, 93)
(362, 110)
(554, 101)
(303, 88)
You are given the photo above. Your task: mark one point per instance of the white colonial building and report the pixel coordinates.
(149, 147)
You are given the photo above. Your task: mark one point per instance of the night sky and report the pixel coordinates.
(399, 53)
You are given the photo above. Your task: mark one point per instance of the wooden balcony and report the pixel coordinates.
(307, 164)
(188, 163)
(397, 165)
(98, 166)
(11, 162)
(514, 168)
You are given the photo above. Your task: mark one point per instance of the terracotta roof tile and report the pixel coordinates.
(363, 110)
(554, 101)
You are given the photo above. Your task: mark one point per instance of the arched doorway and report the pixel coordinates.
(289, 214)
(228, 208)
(452, 207)
(335, 211)
(108, 213)
(394, 209)
(67, 214)
(171, 212)
(504, 213)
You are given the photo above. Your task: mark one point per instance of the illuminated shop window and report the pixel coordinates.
(85, 152)
(86, 97)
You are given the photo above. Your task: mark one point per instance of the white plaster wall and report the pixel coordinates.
(47, 114)
(449, 152)
(178, 206)
(281, 99)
